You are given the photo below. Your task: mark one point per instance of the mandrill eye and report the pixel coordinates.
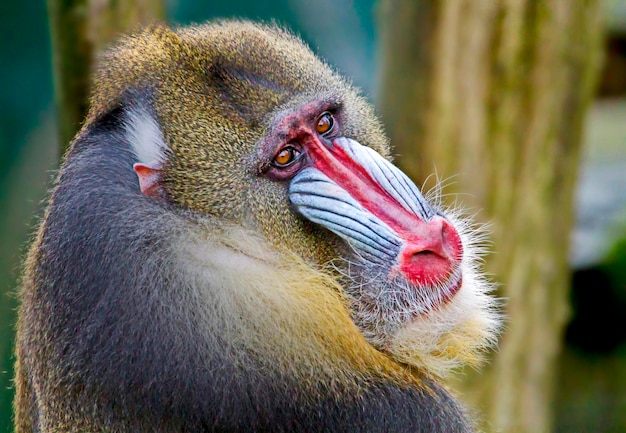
(286, 156)
(325, 123)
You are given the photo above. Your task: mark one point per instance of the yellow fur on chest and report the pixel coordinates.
(269, 302)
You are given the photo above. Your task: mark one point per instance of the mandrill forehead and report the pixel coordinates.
(237, 72)
(233, 59)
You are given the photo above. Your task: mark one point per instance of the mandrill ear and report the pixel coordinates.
(150, 179)
(133, 120)
(142, 131)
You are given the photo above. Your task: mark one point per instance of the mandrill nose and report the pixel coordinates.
(359, 195)
(432, 251)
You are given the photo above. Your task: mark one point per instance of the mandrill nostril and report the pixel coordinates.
(423, 253)
(425, 267)
(432, 252)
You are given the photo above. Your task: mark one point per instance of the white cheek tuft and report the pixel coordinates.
(145, 136)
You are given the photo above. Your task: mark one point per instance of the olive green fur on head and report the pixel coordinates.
(215, 87)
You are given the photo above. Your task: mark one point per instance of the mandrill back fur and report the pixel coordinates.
(206, 301)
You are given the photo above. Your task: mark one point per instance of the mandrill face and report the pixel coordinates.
(275, 141)
(403, 261)
(404, 257)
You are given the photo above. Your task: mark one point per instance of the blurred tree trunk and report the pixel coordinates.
(79, 28)
(496, 92)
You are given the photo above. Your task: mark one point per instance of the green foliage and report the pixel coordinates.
(615, 266)
(25, 74)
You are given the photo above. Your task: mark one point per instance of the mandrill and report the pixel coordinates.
(227, 248)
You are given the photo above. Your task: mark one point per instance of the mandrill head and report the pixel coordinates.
(241, 123)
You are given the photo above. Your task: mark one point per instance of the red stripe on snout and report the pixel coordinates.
(335, 163)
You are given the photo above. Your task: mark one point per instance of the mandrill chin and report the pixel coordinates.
(228, 248)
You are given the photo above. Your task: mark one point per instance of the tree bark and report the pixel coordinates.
(495, 93)
(79, 28)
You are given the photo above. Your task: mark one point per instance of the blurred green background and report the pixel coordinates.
(592, 385)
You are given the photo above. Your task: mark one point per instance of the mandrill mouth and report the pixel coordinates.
(409, 250)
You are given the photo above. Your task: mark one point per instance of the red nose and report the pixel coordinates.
(432, 252)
